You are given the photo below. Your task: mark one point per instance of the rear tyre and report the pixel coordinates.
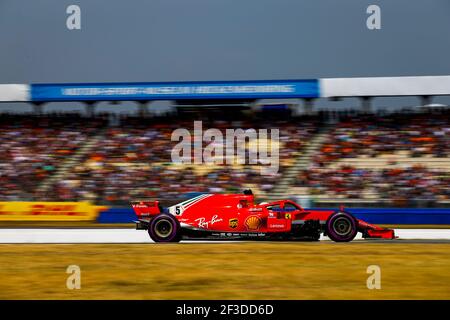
(341, 227)
(164, 228)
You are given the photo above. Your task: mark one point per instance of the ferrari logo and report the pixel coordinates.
(233, 223)
(287, 216)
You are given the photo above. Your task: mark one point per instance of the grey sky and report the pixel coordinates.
(177, 40)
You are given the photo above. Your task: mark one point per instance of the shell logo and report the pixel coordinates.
(253, 222)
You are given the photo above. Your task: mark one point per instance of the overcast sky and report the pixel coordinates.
(177, 40)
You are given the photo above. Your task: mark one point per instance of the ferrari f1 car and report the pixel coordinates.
(236, 216)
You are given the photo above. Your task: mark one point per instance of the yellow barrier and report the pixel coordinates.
(48, 211)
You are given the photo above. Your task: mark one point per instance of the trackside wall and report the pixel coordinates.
(406, 216)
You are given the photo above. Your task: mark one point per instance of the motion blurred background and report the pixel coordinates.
(399, 159)
(392, 154)
(79, 163)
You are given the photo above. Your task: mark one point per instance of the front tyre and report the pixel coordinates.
(164, 228)
(341, 227)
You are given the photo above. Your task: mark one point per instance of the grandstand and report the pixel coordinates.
(33, 147)
(132, 160)
(371, 159)
(362, 159)
(384, 160)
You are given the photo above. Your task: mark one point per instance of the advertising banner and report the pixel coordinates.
(176, 90)
(48, 211)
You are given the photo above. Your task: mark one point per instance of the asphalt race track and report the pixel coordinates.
(88, 235)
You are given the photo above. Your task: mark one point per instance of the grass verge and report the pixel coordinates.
(257, 270)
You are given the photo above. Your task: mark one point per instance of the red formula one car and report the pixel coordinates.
(236, 216)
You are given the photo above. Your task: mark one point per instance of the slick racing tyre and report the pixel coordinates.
(164, 228)
(341, 227)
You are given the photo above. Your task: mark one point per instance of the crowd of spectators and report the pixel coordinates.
(32, 147)
(419, 134)
(396, 185)
(133, 160)
(416, 135)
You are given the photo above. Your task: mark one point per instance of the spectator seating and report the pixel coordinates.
(395, 158)
(133, 161)
(32, 148)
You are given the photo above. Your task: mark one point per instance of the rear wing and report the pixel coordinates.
(146, 208)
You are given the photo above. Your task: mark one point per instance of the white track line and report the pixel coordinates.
(422, 234)
(73, 236)
(139, 236)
